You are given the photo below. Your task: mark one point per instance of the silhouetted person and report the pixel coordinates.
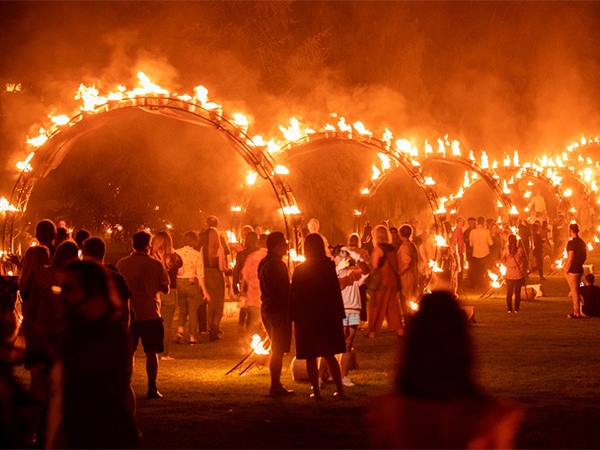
(95, 362)
(147, 278)
(37, 359)
(576, 256)
(437, 403)
(408, 269)
(45, 233)
(94, 248)
(62, 235)
(215, 268)
(317, 310)
(591, 296)
(275, 292)
(81, 236)
(472, 223)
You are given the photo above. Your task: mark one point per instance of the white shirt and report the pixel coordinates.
(193, 265)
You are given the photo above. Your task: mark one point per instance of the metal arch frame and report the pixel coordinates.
(398, 158)
(530, 172)
(256, 157)
(484, 174)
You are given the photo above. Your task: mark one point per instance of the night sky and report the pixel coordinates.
(498, 76)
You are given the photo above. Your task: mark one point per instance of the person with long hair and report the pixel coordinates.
(317, 310)
(514, 259)
(36, 360)
(384, 302)
(437, 403)
(213, 256)
(162, 250)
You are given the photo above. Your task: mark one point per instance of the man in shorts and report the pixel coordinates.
(146, 278)
(275, 291)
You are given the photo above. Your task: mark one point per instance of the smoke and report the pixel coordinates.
(497, 76)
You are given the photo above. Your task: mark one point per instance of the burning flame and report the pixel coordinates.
(24, 165)
(290, 210)
(257, 346)
(496, 282)
(231, 237)
(294, 256)
(6, 206)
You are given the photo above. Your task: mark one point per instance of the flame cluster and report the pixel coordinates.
(551, 168)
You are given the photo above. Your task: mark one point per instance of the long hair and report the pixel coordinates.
(213, 242)
(437, 361)
(162, 248)
(35, 258)
(381, 235)
(314, 247)
(512, 244)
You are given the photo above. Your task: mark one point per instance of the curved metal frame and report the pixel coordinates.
(257, 157)
(530, 172)
(398, 158)
(484, 174)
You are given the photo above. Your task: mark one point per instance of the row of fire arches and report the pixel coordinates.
(261, 161)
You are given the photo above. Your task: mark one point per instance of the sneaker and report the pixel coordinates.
(346, 382)
(573, 316)
(166, 358)
(153, 393)
(279, 391)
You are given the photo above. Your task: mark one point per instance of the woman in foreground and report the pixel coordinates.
(437, 403)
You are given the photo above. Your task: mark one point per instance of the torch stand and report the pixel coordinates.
(492, 290)
(252, 359)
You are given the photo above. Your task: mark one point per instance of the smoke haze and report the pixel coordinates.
(498, 76)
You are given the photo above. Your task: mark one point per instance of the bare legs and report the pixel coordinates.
(275, 368)
(313, 375)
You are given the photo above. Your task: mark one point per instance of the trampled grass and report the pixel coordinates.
(539, 357)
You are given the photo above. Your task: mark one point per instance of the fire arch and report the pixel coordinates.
(53, 148)
(388, 161)
(510, 175)
(483, 174)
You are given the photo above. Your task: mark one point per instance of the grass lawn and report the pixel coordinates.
(539, 357)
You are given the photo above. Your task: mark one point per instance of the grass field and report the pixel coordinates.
(549, 363)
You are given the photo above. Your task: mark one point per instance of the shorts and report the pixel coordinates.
(279, 330)
(151, 332)
(352, 319)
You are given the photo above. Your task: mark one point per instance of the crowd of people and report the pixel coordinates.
(75, 305)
